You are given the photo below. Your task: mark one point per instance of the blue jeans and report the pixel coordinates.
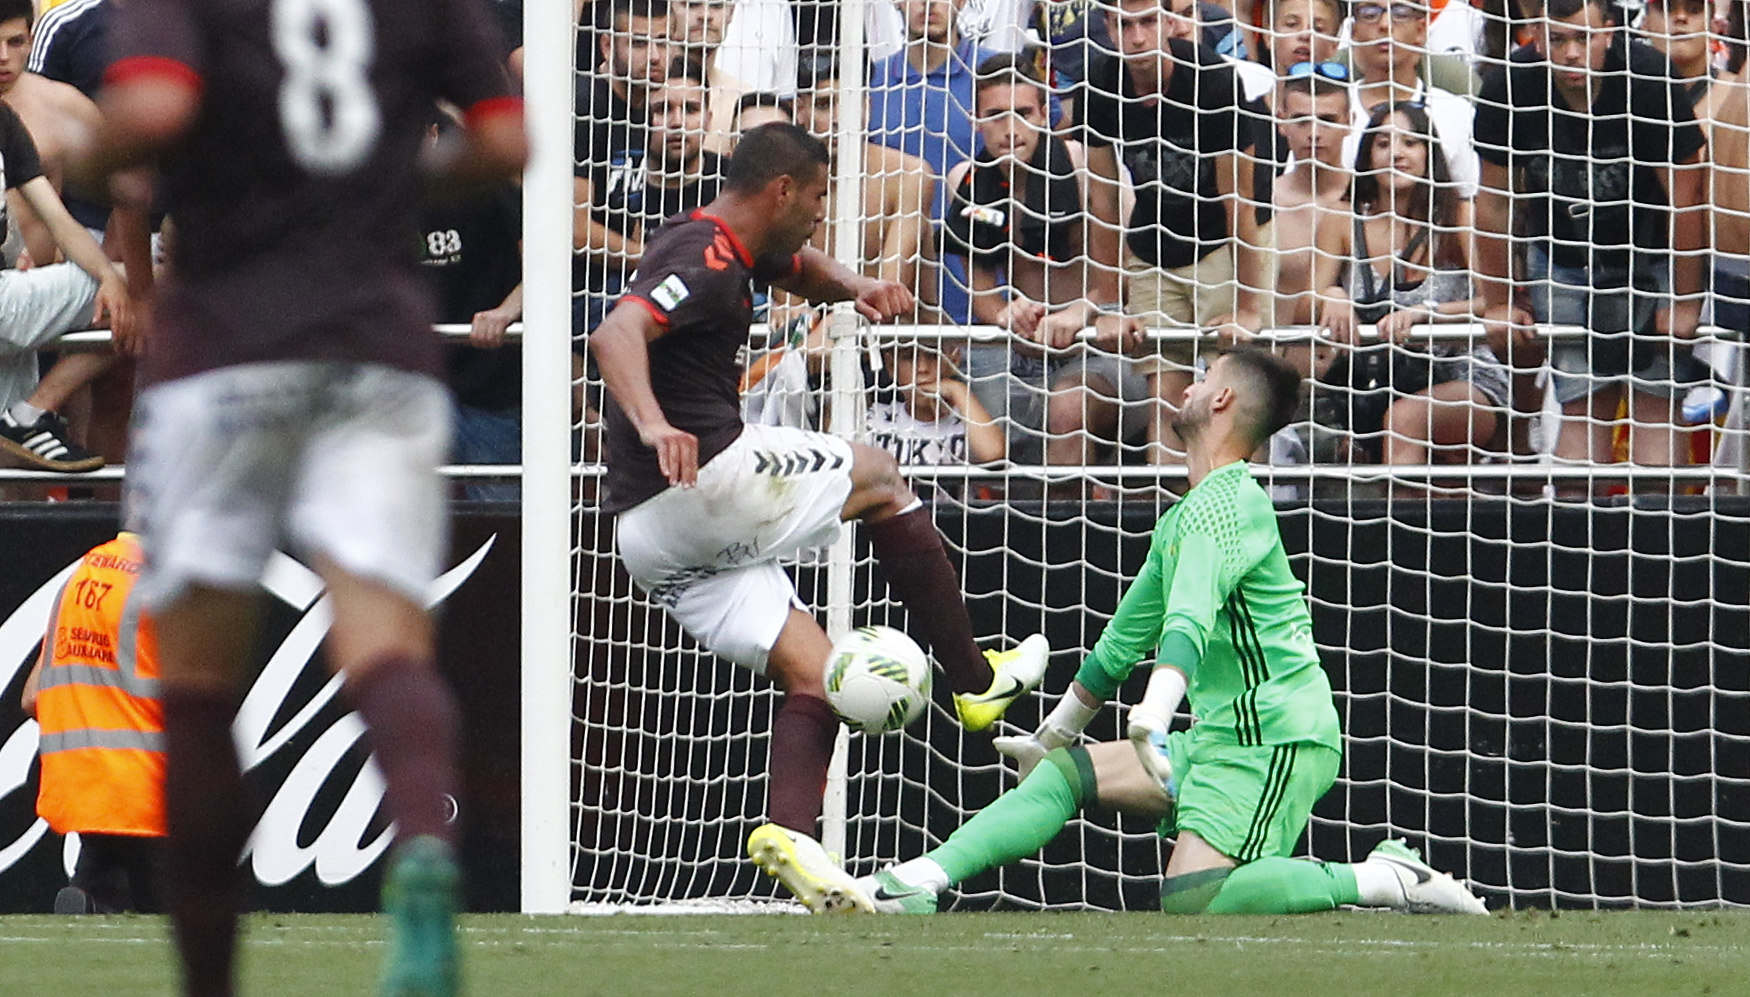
(1620, 308)
(489, 436)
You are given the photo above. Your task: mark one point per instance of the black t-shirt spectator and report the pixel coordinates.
(635, 206)
(630, 204)
(1169, 146)
(697, 281)
(1588, 179)
(472, 260)
(19, 164)
(610, 135)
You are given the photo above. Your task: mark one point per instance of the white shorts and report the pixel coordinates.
(36, 307)
(335, 459)
(709, 554)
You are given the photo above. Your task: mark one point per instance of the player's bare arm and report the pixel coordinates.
(493, 146)
(622, 354)
(142, 117)
(1105, 232)
(821, 278)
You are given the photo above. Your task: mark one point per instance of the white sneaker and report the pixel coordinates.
(806, 870)
(1426, 890)
(888, 894)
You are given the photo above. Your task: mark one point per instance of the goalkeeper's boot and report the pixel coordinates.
(1426, 890)
(419, 896)
(1013, 673)
(806, 870)
(889, 894)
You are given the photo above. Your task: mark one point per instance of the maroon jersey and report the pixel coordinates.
(697, 279)
(296, 195)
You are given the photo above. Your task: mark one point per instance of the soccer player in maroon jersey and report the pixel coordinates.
(291, 393)
(708, 506)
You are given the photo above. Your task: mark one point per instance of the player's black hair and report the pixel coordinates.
(1277, 383)
(763, 98)
(11, 10)
(779, 149)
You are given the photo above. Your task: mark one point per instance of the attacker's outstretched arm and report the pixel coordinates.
(819, 277)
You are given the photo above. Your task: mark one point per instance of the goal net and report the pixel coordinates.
(1524, 540)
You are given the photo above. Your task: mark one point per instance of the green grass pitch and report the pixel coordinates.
(1054, 955)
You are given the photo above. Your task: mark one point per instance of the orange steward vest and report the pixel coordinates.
(102, 726)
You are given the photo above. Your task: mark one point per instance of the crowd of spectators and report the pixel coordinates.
(1114, 188)
(1074, 174)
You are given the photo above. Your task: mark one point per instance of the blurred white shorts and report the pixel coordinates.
(332, 459)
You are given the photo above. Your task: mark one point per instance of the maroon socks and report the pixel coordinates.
(412, 721)
(911, 553)
(802, 737)
(204, 803)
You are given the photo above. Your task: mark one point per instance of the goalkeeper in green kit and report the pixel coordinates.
(1228, 624)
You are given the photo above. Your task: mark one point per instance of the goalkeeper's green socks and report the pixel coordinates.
(1267, 886)
(1017, 824)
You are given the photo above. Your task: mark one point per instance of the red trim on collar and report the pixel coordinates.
(734, 240)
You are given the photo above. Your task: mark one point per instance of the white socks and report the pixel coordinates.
(1380, 884)
(922, 873)
(24, 413)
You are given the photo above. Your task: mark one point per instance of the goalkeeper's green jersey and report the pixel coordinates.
(1217, 599)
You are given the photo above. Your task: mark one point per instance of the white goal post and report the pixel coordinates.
(1551, 698)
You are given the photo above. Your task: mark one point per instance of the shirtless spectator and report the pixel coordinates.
(1312, 115)
(897, 187)
(1019, 213)
(48, 300)
(61, 120)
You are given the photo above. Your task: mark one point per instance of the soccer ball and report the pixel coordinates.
(877, 679)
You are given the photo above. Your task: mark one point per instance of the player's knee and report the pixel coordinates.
(876, 482)
(1193, 892)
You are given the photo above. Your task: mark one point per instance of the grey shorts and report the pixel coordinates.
(1016, 390)
(36, 307)
(1621, 309)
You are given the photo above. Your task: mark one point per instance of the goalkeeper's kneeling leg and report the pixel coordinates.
(1267, 886)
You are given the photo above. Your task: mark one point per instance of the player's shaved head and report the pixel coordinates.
(1269, 389)
(774, 150)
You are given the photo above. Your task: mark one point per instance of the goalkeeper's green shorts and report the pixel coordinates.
(1247, 802)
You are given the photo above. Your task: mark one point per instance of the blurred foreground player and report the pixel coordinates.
(707, 506)
(94, 694)
(1226, 621)
(290, 394)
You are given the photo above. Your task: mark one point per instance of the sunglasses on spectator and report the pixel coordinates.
(1333, 71)
(1399, 12)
